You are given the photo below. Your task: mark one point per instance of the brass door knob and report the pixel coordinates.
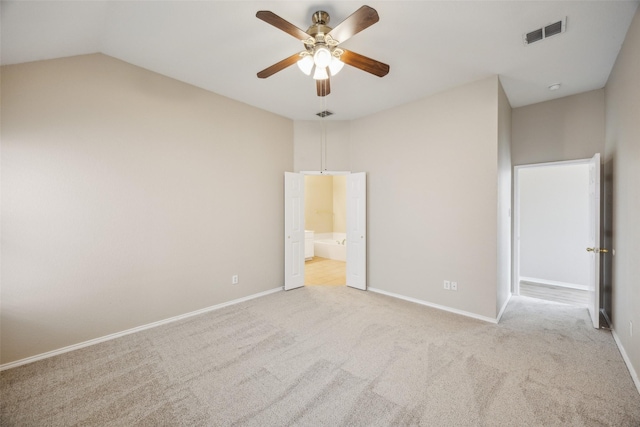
(597, 251)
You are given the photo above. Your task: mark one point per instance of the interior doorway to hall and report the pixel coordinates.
(325, 230)
(552, 231)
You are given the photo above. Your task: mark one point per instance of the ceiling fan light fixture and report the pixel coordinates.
(335, 65)
(322, 56)
(320, 73)
(306, 64)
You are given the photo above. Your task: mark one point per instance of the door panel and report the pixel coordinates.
(357, 230)
(293, 230)
(594, 240)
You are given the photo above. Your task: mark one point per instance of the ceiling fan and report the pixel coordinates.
(321, 56)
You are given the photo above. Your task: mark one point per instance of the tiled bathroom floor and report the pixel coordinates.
(323, 271)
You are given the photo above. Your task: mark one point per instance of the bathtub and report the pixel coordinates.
(329, 245)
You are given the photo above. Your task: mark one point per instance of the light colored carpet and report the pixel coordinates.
(336, 356)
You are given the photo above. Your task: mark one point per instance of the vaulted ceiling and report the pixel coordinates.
(430, 46)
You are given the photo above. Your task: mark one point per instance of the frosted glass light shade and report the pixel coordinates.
(335, 66)
(305, 64)
(320, 74)
(322, 56)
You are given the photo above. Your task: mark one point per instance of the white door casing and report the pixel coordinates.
(357, 230)
(594, 240)
(293, 230)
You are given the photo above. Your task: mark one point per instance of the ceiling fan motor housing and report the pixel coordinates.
(319, 28)
(320, 17)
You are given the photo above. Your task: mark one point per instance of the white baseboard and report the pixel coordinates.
(627, 361)
(504, 307)
(438, 306)
(554, 283)
(132, 330)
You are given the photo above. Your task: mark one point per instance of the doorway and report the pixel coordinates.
(356, 229)
(325, 215)
(552, 224)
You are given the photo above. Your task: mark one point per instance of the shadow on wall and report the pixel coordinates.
(606, 270)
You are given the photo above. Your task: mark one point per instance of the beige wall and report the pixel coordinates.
(567, 128)
(340, 203)
(432, 170)
(622, 191)
(318, 203)
(325, 203)
(310, 137)
(128, 198)
(504, 200)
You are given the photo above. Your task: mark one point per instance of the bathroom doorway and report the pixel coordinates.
(354, 244)
(325, 230)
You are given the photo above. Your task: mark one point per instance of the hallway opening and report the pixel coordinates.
(552, 231)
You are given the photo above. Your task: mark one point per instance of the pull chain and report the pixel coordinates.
(323, 136)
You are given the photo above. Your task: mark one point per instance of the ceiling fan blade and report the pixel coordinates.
(365, 64)
(323, 87)
(359, 20)
(279, 66)
(286, 26)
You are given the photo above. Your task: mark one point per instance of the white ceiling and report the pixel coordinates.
(430, 46)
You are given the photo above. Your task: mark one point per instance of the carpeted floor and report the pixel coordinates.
(336, 356)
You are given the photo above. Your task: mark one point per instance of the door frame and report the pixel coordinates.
(293, 231)
(516, 219)
(325, 173)
(330, 173)
(515, 285)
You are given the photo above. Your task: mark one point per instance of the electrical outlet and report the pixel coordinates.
(447, 285)
(234, 279)
(454, 286)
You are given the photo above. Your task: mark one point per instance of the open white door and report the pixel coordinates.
(357, 230)
(594, 240)
(293, 230)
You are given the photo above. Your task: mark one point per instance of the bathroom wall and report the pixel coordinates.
(318, 203)
(340, 204)
(325, 203)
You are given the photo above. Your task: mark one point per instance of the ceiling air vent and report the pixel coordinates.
(533, 36)
(545, 32)
(324, 113)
